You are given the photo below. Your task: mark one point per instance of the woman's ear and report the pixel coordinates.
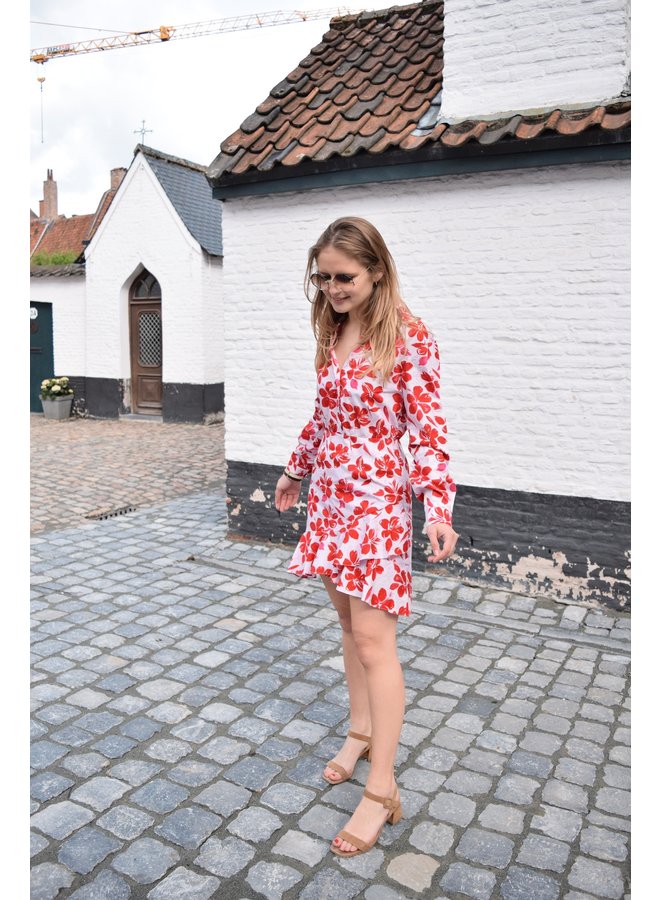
(377, 276)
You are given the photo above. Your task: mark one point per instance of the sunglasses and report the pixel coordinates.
(322, 281)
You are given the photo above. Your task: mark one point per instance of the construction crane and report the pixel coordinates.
(192, 29)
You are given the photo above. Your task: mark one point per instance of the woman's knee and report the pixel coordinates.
(373, 648)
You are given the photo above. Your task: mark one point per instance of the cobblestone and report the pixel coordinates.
(187, 692)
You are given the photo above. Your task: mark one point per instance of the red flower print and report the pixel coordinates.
(328, 396)
(360, 469)
(401, 583)
(374, 568)
(358, 415)
(325, 486)
(386, 467)
(392, 530)
(372, 395)
(356, 368)
(424, 352)
(379, 433)
(419, 402)
(364, 508)
(393, 494)
(338, 453)
(354, 580)
(344, 490)
(401, 373)
(369, 542)
(418, 331)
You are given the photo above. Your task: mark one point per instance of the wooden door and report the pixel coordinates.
(41, 350)
(146, 345)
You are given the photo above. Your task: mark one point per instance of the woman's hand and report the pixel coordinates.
(436, 533)
(286, 493)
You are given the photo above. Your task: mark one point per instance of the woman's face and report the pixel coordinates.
(345, 298)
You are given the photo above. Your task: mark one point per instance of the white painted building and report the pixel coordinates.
(142, 332)
(500, 181)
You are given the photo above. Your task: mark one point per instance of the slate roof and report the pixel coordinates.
(373, 86)
(66, 270)
(188, 190)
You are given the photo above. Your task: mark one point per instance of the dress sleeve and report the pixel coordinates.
(302, 459)
(429, 476)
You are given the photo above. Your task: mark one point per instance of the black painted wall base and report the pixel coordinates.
(574, 549)
(103, 398)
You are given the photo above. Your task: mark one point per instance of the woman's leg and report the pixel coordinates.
(358, 697)
(374, 635)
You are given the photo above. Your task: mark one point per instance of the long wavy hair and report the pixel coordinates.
(384, 312)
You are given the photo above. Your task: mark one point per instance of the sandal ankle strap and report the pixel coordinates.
(387, 802)
(359, 737)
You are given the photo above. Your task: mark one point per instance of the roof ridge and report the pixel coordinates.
(167, 157)
(365, 15)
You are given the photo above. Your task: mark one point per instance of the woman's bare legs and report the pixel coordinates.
(376, 699)
(374, 635)
(358, 697)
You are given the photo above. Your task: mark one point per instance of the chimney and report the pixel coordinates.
(48, 206)
(116, 178)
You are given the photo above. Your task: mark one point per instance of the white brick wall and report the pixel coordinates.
(142, 227)
(68, 298)
(522, 275)
(502, 55)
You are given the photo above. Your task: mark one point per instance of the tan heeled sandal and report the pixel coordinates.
(395, 815)
(340, 770)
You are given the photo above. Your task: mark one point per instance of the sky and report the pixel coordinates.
(191, 93)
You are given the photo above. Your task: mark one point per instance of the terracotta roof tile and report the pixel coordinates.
(373, 84)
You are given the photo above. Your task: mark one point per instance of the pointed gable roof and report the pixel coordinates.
(190, 194)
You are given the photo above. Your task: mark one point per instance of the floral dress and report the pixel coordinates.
(359, 516)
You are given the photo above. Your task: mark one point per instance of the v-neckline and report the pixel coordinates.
(334, 353)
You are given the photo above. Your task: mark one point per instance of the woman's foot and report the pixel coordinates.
(367, 821)
(355, 747)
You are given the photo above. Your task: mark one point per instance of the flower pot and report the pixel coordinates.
(57, 407)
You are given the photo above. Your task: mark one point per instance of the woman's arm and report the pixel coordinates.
(429, 477)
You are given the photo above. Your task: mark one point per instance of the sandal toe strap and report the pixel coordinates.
(352, 839)
(337, 768)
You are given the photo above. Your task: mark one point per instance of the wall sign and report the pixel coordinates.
(34, 312)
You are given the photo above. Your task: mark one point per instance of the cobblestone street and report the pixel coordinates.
(187, 692)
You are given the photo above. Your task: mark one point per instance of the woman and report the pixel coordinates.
(377, 377)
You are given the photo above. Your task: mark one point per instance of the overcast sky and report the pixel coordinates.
(191, 93)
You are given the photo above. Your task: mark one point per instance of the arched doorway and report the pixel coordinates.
(146, 337)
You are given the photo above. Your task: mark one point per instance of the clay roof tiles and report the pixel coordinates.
(373, 84)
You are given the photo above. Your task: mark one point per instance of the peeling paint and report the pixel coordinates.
(258, 496)
(236, 511)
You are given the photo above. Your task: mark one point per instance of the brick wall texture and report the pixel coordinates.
(502, 55)
(522, 275)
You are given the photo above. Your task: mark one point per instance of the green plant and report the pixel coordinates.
(64, 257)
(55, 387)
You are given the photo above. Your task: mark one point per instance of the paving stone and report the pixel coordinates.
(614, 800)
(323, 821)
(482, 761)
(88, 698)
(453, 808)
(526, 763)
(125, 821)
(84, 764)
(544, 852)
(84, 850)
(604, 844)
(225, 857)
(471, 784)
(570, 796)
(485, 848)
(255, 824)
(414, 870)
(100, 792)
(224, 750)
(37, 844)
(48, 785)
(59, 820)
(452, 739)
(272, 879)
(47, 879)
(432, 839)
(106, 886)
(159, 795)
(188, 826)
(436, 759)
(329, 884)
(185, 884)
(279, 751)
(524, 884)
(302, 847)
(556, 822)
(253, 772)
(146, 860)
(598, 878)
(253, 729)
(135, 771)
(502, 818)
(193, 772)
(540, 742)
(516, 789)
(140, 728)
(464, 879)
(495, 740)
(287, 798)
(45, 753)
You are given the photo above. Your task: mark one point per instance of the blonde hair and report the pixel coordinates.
(385, 311)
